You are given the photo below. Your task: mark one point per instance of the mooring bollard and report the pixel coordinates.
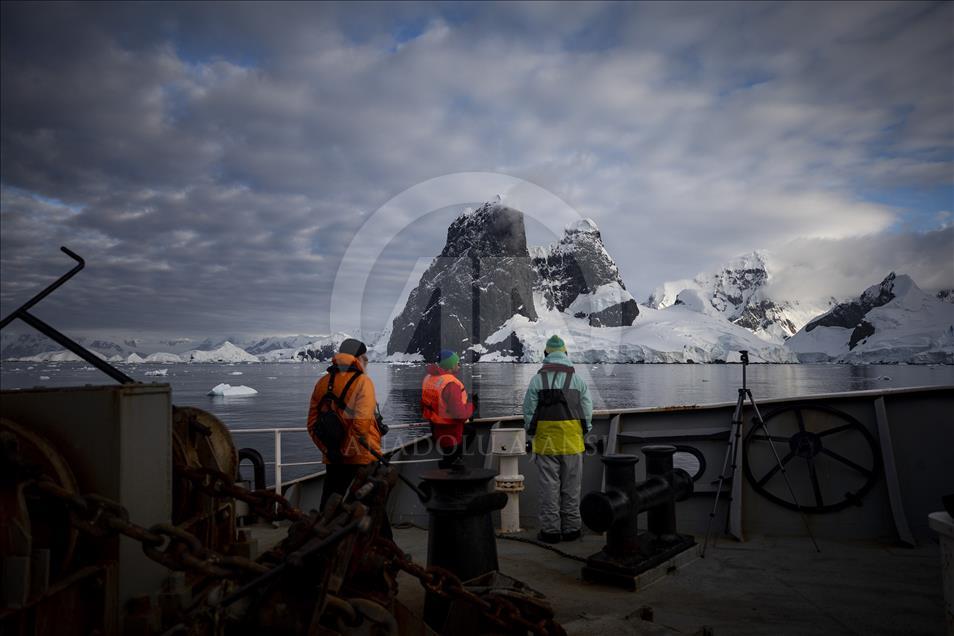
(508, 445)
(461, 535)
(628, 553)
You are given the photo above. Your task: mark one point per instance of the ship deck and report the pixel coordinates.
(763, 586)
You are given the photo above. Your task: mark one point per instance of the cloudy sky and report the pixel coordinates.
(215, 163)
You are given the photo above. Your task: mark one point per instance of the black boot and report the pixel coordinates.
(548, 537)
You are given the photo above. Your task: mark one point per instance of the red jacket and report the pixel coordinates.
(455, 406)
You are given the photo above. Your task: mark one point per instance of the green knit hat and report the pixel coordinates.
(555, 343)
(448, 359)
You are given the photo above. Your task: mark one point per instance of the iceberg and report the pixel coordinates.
(227, 390)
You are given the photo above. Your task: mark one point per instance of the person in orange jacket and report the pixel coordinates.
(351, 398)
(445, 405)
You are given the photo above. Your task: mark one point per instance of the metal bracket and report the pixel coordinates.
(51, 333)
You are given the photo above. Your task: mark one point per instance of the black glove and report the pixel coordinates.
(530, 446)
(379, 420)
(475, 400)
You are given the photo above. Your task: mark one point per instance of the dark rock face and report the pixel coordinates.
(862, 331)
(620, 314)
(510, 346)
(761, 315)
(946, 295)
(480, 280)
(851, 314)
(317, 354)
(25, 344)
(105, 347)
(579, 264)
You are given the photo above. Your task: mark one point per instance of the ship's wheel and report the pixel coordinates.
(830, 458)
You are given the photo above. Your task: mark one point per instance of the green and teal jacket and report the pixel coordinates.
(557, 409)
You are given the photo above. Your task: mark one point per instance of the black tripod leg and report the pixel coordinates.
(736, 449)
(778, 461)
(731, 452)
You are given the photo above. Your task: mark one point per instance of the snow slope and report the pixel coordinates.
(228, 352)
(739, 292)
(893, 321)
(674, 334)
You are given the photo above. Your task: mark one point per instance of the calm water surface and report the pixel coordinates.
(285, 388)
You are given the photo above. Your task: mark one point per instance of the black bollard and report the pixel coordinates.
(461, 535)
(628, 553)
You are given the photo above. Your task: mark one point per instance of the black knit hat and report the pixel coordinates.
(353, 347)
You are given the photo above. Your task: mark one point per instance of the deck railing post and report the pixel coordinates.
(278, 462)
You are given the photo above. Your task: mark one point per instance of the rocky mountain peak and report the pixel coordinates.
(577, 266)
(738, 291)
(481, 278)
(491, 230)
(851, 314)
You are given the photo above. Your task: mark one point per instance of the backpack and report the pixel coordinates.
(557, 403)
(329, 428)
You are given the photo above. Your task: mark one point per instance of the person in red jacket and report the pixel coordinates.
(445, 405)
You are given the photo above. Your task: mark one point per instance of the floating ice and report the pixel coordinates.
(228, 390)
(158, 372)
(236, 373)
(44, 377)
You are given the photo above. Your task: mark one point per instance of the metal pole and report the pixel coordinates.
(278, 462)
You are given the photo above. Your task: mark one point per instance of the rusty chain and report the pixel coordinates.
(445, 584)
(178, 549)
(267, 504)
(163, 542)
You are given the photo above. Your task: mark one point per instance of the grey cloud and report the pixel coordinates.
(219, 160)
(818, 268)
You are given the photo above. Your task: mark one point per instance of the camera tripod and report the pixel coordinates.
(732, 455)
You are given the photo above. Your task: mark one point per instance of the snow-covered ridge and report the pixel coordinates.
(674, 334)
(739, 292)
(893, 321)
(228, 352)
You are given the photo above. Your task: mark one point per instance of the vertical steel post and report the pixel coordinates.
(278, 462)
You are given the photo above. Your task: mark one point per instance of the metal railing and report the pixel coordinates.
(277, 433)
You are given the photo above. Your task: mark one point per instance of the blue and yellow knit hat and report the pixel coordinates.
(447, 359)
(555, 343)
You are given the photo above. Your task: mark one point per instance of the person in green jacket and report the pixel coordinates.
(557, 412)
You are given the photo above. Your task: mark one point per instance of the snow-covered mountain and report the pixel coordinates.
(490, 296)
(35, 347)
(228, 352)
(893, 321)
(481, 278)
(739, 293)
(577, 276)
(316, 349)
(673, 334)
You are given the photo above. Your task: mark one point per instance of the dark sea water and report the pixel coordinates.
(285, 388)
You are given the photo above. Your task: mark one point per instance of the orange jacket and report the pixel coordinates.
(359, 416)
(444, 404)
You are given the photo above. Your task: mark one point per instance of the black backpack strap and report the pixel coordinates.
(329, 392)
(569, 378)
(330, 395)
(544, 380)
(347, 387)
